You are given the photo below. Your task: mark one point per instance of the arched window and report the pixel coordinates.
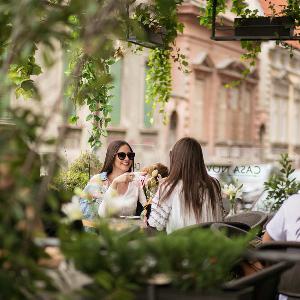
(262, 132)
(172, 137)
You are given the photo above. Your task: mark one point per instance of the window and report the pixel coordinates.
(233, 115)
(297, 118)
(246, 115)
(297, 123)
(147, 106)
(282, 123)
(221, 115)
(197, 109)
(172, 136)
(234, 99)
(279, 113)
(116, 71)
(278, 117)
(68, 106)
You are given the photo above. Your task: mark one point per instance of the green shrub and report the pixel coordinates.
(79, 172)
(281, 186)
(196, 260)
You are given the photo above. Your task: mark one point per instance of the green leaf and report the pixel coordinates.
(28, 85)
(36, 70)
(89, 117)
(73, 119)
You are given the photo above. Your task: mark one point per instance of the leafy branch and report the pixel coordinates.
(158, 80)
(162, 15)
(282, 185)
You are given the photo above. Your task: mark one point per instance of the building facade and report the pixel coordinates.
(249, 123)
(279, 98)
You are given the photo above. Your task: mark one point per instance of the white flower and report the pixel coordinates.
(160, 179)
(154, 173)
(232, 191)
(72, 210)
(84, 80)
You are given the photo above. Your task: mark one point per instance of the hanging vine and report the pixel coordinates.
(90, 48)
(92, 84)
(158, 79)
(93, 90)
(95, 81)
(161, 16)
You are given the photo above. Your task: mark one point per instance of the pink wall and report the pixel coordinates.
(195, 43)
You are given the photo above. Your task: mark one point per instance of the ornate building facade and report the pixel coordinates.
(279, 97)
(249, 123)
(223, 120)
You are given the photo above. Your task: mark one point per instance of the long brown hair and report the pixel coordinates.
(111, 151)
(187, 164)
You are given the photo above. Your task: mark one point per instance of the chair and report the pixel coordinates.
(230, 230)
(290, 281)
(233, 231)
(207, 225)
(264, 282)
(254, 219)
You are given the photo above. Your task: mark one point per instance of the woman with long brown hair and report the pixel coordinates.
(189, 195)
(115, 190)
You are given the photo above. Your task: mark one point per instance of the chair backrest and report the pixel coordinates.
(254, 219)
(290, 281)
(265, 281)
(233, 231)
(207, 225)
(230, 231)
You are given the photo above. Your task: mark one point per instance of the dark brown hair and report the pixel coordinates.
(187, 164)
(162, 170)
(111, 151)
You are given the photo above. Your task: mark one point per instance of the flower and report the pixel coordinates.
(150, 186)
(72, 210)
(232, 191)
(154, 173)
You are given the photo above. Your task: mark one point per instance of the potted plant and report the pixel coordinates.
(265, 27)
(152, 37)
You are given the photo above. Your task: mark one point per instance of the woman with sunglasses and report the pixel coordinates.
(189, 195)
(115, 190)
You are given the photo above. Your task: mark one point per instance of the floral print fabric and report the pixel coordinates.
(93, 195)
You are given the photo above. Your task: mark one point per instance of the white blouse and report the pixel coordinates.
(171, 214)
(114, 204)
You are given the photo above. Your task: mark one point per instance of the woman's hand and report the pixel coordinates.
(124, 178)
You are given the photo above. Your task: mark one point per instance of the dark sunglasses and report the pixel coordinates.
(122, 155)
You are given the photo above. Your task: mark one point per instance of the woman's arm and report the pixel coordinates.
(111, 203)
(91, 197)
(142, 197)
(106, 207)
(266, 237)
(159, 213)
